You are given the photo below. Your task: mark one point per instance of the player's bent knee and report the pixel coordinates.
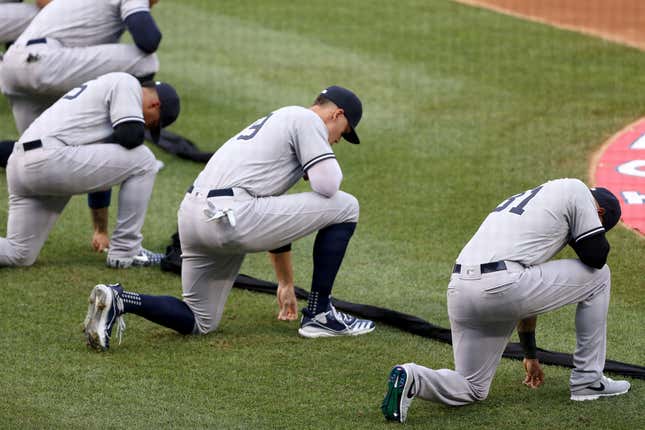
(479, 393)
(604, 274)
(204, 326)
(350, 207)
(23, 258)
(148, 65)
(145, 158)
(204, 322)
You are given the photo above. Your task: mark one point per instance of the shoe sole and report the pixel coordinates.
(126, 263)
(313, 333)
(95, 317)
(585, 397)
(122, 263)
(393, 398)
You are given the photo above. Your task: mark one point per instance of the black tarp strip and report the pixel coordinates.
(423, 328)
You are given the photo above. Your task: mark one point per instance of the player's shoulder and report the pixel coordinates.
(119, 78)
(112, 84)
(567, 185)
(295, 111)
(571, 192)
(298, 116)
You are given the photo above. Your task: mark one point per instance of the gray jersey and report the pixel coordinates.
(533, 226)
(271, 155)
(85, 23)
(89, 113)
(14, 19)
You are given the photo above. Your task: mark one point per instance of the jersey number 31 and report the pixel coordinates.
(519, 209)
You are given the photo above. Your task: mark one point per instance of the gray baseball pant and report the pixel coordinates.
(14, 19)
(484, 310)
(213, 251)
(35, 76)
(41, 182)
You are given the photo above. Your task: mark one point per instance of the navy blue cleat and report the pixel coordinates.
(332, 323)
(105, 310)
(398, 397)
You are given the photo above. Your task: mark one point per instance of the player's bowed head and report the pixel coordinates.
(160, 106)
(608, 207)
(341, 111)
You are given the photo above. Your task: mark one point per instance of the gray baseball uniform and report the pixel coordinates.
(484, 306)
(14, 19)
(63, 153)
(257, 166)
(68, 43)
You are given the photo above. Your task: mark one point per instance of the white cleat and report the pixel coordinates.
(606, 387)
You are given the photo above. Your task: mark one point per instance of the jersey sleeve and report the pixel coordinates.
(128, 7)
(583, 215)
(125, 100)
(310, 141)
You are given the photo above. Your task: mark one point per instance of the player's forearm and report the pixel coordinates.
(526, 333)
(527, 325)
(100, 219)
(283, 267)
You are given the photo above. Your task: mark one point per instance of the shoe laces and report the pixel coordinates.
(120, 327)
(153, 257)
(341, 316)
(118, 309)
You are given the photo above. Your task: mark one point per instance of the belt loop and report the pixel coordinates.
(34, 144)
(36, 41)
(470, 272)
(495, 266)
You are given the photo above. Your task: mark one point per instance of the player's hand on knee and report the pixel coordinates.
(100, 241)
(287, 302)
(534, 374)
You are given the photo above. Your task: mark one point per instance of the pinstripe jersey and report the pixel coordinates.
(269, 156)
(83, 22)
(89, 113)
(533, 226)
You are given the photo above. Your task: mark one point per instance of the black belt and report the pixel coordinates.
(215, 193)
(36, 41)
(495, 266)
(34, 144)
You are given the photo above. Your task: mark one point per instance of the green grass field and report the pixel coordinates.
(463, 107)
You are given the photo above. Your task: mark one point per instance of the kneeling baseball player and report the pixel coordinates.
(503, 279)
(237, 205)
(89, 140)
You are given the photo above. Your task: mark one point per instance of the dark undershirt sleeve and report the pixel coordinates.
(99, 199)
(144, 31)
(592, 250)
(128, 134)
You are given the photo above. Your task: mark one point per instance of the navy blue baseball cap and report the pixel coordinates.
(351, 104)
(169, 109)
(608, 201)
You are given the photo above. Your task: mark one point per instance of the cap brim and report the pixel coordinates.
(155, 134)
(352, 137)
